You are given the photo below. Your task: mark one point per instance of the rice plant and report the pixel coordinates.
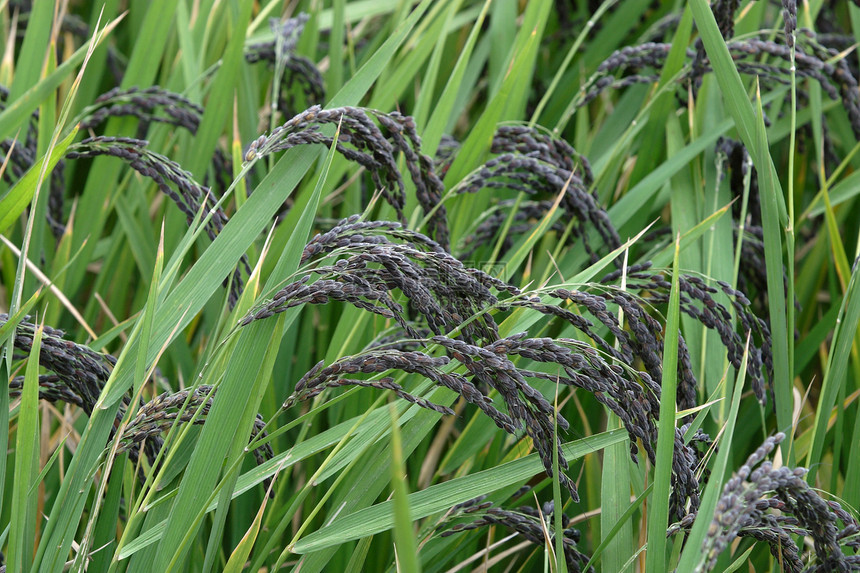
(332, 285)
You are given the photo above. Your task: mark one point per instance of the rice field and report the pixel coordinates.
(451, 285)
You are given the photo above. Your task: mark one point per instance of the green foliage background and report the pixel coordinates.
(364, 480)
